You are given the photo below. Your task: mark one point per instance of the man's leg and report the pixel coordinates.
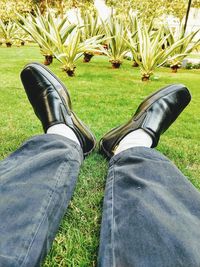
(151, 212)
(37, 181)
(36, 185)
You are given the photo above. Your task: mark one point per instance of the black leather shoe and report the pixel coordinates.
(51, 103)
(154, 115)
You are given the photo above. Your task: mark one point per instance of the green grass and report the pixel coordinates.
(103, 98)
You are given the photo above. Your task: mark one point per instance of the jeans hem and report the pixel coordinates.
(145, 152)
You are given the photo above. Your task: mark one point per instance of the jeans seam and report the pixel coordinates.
(45, 213)
(112, 219)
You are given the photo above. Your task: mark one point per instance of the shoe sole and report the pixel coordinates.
(103, 151)
(75, 118)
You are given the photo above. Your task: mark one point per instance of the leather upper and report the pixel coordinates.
(51, 103)
(154, 115)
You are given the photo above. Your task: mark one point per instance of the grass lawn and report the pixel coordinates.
(103, 98)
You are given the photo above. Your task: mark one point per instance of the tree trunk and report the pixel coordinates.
(145, 78)
(62, 9)
(116, 64)
(43, 6)
(48, 60)
(70, 70)
(70, 73)
(135, 64)
(174, 69)
(187, 15)
(87, 57)
(74, 3)
(8, 44)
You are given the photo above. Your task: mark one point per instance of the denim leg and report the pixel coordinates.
(36, 185)
(151, 214)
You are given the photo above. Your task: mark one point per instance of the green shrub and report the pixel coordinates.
(191, 65)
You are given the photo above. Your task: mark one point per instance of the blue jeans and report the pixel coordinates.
(151, 213)
(36, 185)
(150, 216)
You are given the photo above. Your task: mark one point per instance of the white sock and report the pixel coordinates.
(63, 130)
(136, 138)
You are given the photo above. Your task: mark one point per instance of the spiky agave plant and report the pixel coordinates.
(22, 37)
(92, 27)
(46, 31)
(134, 24)
(8, 32)
(74, 48)
(186, 48)
(151, 52)
(116, 31)
(34, 25)
(133, 28)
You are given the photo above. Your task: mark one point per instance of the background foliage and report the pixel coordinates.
(153, 9)
(9, 8)
(146, 9)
